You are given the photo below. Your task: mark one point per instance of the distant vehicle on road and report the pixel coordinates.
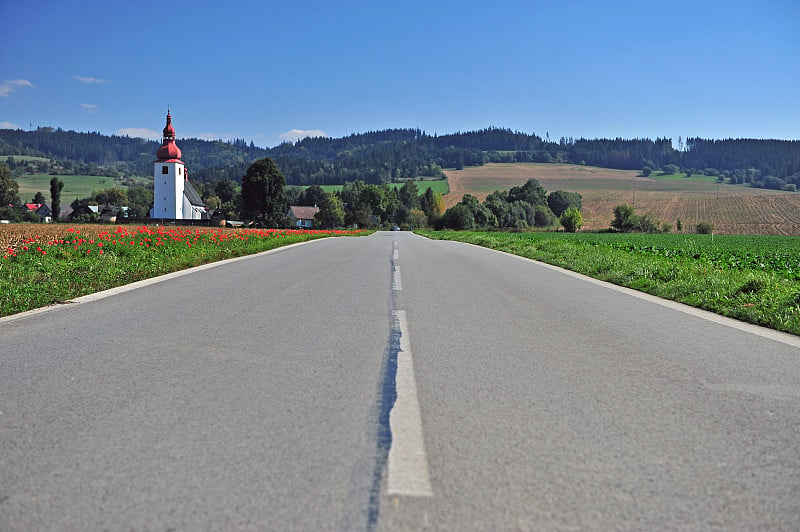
(395, 228)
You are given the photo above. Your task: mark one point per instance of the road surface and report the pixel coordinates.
(391, 382)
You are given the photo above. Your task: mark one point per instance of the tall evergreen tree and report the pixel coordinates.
(409, 195)
(55, 197)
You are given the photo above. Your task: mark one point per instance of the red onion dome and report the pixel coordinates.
(168, 150)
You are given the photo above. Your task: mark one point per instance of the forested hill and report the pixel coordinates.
(395, 154)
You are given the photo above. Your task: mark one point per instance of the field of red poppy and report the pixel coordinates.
(46, 264)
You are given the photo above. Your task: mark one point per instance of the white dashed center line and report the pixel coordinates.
(407, 463)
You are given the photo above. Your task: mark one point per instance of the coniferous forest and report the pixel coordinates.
(399, 154)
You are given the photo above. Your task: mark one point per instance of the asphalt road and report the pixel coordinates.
(393, 383)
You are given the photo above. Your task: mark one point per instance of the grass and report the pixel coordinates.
(75, 186)
(749, 278)
(659, 176)
(45, 264)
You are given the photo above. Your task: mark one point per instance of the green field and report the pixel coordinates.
(75, 186)
(658, 176)
(438, 185)
(25, 158)
(749, 278)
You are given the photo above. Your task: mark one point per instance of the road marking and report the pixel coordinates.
(397, 282)
(407, 463)
(396, 254)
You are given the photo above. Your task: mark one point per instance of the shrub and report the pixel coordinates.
(543, 216)
(704, 228)
(624, 218)
(572, 220)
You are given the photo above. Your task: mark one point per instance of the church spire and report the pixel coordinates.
(168, 150)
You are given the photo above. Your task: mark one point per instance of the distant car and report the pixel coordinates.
(395, 228)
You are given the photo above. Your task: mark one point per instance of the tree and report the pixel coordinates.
(416, 218)
(140, 200)
(671, 169)
(458, 217)
(542, 216)
(38, 198)
(437, 206)
(9, 189)
(530, 192)
(561, 200)
(313, 195)
(408, 195)
(482, 216)
(263, 199)
(572, 220)
(331, 212)
(646, 171)
(111, 196)
(55, 197)
(226, 190)
(624, 218)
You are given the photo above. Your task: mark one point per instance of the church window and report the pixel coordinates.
(165, 169)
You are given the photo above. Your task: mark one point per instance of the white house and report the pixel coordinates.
(302, 216)
(173, 196)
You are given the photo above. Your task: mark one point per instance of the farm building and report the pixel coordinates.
(173, 196)
(302, 216)
(42, 210)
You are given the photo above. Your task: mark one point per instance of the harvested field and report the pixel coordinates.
(732, 209)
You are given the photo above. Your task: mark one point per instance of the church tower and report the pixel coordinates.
(169, 176)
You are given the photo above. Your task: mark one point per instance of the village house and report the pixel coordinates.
(302, 216)
(42, 210)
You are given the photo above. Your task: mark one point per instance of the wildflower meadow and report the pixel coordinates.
(45, 264)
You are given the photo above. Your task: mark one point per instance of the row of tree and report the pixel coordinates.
(524, 206)
(265, 198)
(394, 154)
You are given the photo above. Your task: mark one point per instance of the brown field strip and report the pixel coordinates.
(732, 209)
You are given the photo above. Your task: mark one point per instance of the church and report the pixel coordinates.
(174, 198)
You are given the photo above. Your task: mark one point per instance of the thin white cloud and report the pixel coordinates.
(91, 81)
(139, 132)
(89, 107)
(8, 125)
(297, 134)
(10, 85)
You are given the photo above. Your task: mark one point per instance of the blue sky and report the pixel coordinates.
(267, 71)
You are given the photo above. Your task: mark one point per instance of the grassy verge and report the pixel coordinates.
(753, 279)
(45, 264)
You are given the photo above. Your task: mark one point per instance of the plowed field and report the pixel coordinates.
(733, 209)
